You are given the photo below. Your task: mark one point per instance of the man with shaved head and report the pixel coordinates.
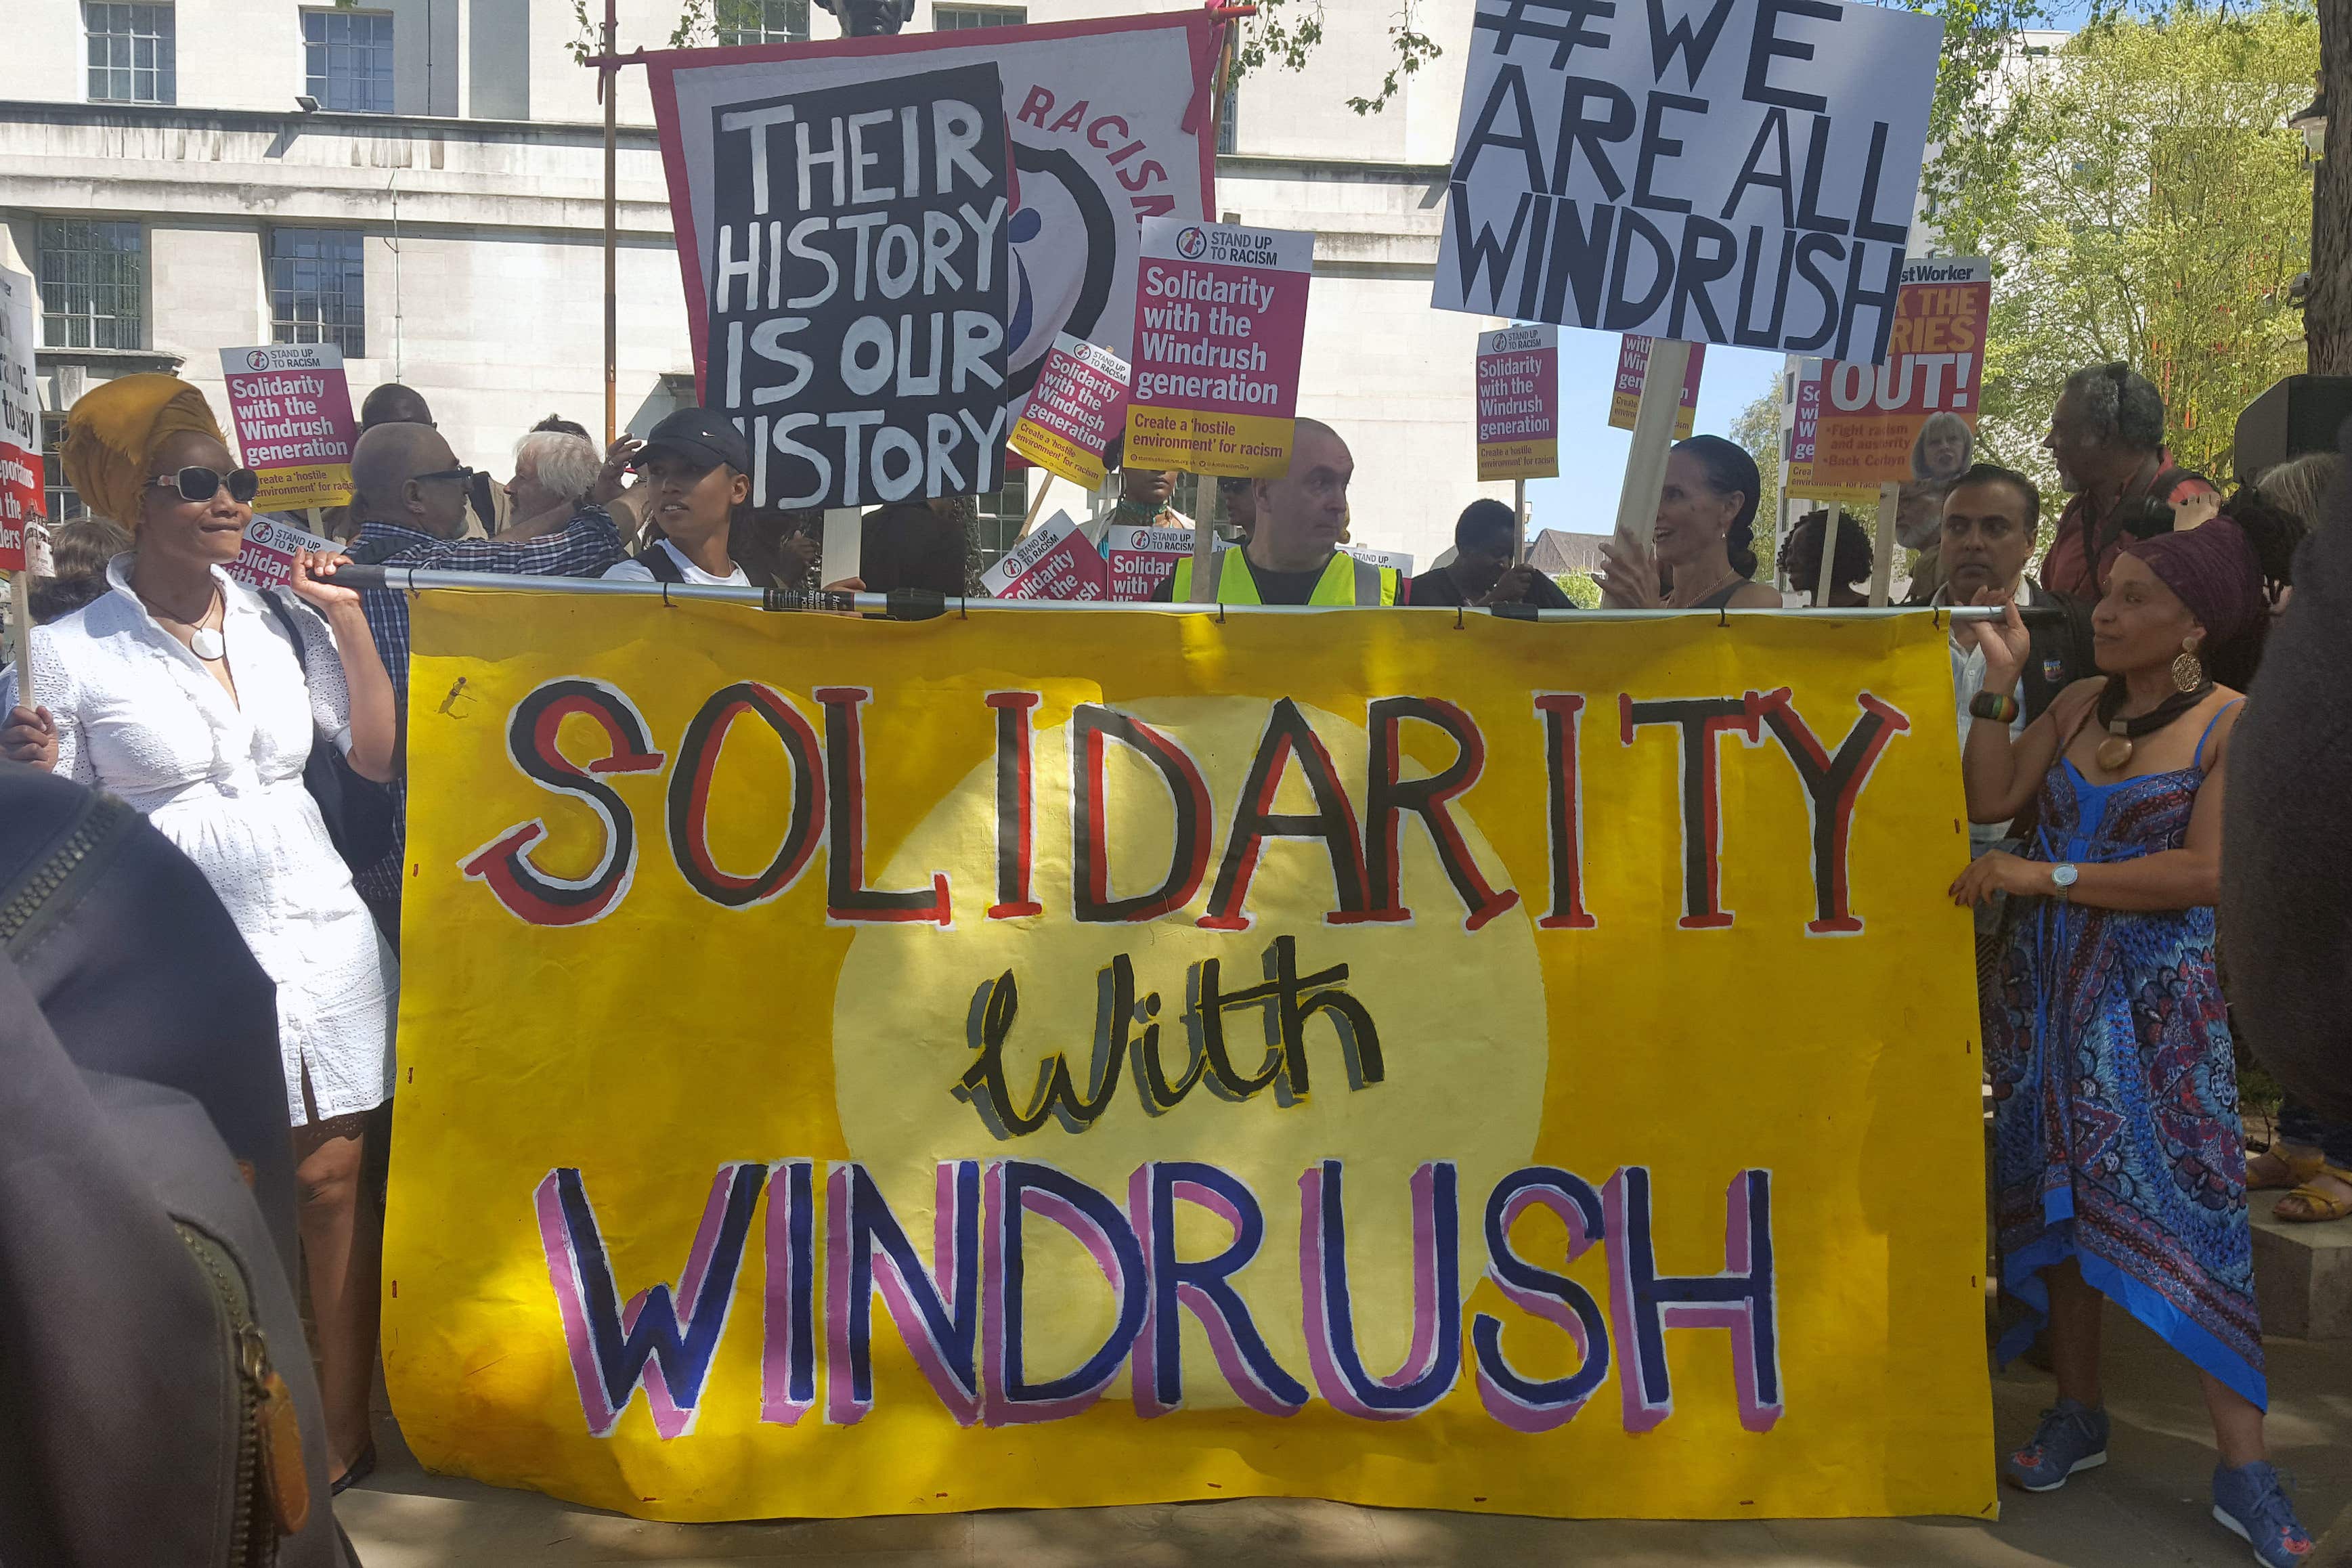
(408, 493)
(1292, 556)
(392, 403)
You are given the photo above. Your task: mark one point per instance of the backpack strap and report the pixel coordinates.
(657, 559)
(293, 631)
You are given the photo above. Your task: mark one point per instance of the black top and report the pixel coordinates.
(1437, 586)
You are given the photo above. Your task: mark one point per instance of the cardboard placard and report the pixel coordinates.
(1519, 402)
(267, 558)
(291, 405)
(1743, 175)
(1221, 318)
(1076, 410)
(1856, 423)
(1055, 562)
(1397, 560)
(20, 420)
(1632, 370)
(1139, 558)
(1107, 122)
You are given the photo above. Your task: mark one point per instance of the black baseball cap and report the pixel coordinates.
(702, 437)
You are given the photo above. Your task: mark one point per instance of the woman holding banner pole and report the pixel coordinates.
(1702, 554)
(2119, 1167)
(198, 701)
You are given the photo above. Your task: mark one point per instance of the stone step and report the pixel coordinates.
(2303, 1274)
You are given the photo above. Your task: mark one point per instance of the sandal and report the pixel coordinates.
(2318, 1207)
(2299, 1168)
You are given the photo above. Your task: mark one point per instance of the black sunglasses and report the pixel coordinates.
(463, 476)
(203, 484)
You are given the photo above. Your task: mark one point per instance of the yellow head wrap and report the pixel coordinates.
(111, 434)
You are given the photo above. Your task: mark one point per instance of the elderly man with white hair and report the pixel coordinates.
(555, 475)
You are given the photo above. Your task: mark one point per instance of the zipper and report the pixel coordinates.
(27, 898)
(248, 1546)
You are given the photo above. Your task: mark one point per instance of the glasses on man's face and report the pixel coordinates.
(462, 476)
(203, 484)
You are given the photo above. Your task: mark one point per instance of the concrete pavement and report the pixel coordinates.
(2150, 1506)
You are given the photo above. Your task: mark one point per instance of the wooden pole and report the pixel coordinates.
(1519, 521)
(1828, 556)
(1037, 501)
(608, 82)
(1882, 545)
(1654, 433)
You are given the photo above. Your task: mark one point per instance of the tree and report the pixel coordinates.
(2327, 319)
(1758, 429)
(2141, 200)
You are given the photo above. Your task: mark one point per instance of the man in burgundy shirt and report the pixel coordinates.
(2107, 436)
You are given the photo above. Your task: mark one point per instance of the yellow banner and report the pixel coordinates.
(297, 489)
(1203, 441)
(1035, 1059)
(1519, 460)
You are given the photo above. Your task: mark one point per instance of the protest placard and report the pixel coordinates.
(1742, 174)
(1108, 121)
(857, 298)
(1397, 560)
(1055, 561)
(1139, 557)
(1128, 1140)
(1519, 402)
(291, 406)
(1076, 410)
(1632, 366)
(265, 560)
(1222, 318)
(20, 420)
(1856, 423)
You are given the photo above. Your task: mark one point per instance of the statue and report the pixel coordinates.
(871, 18)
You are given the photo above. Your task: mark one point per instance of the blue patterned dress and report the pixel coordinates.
(2117, 1140)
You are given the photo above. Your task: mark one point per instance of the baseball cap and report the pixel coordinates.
(700, 437)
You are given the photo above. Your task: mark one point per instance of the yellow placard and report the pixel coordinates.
(1519, 460)
(1034, 1059)
(297, 489)
(1058, 455)
(1244, 446)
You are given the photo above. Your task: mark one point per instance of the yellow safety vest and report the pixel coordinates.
(1345, 581)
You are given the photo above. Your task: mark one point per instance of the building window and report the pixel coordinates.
(318, 289)
(93, 284)
(131, 54)
(953, 18)
(742, 22)
(1001, 512)
(346, 60)
(63, 505)
(1227, 108)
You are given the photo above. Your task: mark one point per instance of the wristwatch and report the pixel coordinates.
(2062, 879)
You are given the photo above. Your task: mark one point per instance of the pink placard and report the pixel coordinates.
(20, 420)
(1055, 562)
(293, 408)
(1139, 558)
(266, 559)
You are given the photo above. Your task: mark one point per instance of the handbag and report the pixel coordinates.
(358, 812)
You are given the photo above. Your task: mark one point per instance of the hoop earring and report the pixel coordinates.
(2187, 670)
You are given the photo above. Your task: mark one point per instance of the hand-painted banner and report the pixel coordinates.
(1047, 1058)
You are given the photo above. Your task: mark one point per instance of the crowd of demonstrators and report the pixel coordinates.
(1292, 555)
(1702, 554)
(1486, 537)
(1849, 568)
(200, 701)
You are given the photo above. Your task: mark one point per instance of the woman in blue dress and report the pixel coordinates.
(2119, 1165)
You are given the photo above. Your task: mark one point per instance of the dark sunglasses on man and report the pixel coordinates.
(203, 484)
(462, 476)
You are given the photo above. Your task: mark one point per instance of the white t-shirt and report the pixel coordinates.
(638, 572)
(1967, 679)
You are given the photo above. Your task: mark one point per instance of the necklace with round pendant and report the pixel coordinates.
(206, 643)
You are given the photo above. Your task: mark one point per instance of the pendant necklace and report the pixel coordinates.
(2115, 752)
(205, 642)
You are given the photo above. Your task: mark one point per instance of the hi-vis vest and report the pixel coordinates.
(1345, 581)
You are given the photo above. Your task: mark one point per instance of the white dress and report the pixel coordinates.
(221, 777)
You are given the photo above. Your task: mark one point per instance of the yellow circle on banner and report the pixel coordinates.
(1460, 1015)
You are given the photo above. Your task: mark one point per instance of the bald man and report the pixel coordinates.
(409, 494)
(392, 403)
(1292, 556)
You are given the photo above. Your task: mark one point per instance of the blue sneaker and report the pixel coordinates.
(2250, 1504)
(2072, 1436)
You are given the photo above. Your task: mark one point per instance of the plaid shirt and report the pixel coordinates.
(584, 547)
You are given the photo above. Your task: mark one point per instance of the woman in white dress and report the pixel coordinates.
(181, 691)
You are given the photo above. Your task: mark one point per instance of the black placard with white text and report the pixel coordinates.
(858, 299)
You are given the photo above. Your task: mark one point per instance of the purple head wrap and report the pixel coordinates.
(2212, 569)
